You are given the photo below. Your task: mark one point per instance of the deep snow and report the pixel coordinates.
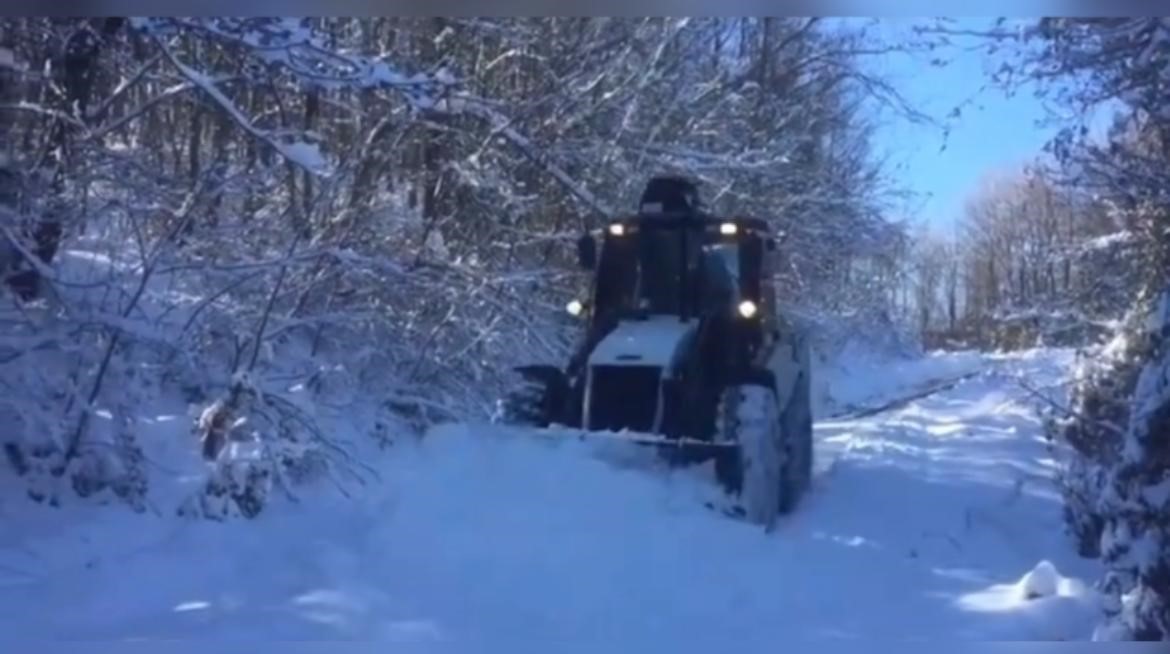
(923, 523)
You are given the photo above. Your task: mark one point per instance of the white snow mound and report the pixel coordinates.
(1041, 581)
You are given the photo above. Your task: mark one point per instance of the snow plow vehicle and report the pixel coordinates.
(684, 349)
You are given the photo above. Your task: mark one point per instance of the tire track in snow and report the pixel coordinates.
(826, 469)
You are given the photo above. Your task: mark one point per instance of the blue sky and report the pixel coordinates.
(993, 134)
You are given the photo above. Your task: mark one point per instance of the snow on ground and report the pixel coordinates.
(860, 376)
(923, 523)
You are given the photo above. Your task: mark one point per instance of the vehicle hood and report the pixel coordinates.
(655, 341)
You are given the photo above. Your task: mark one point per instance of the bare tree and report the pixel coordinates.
(929, 272)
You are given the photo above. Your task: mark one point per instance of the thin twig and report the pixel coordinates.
(1069, 413)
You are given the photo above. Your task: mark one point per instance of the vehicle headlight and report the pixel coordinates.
(617, 229)
(575, 307)
(747, 308)
(728, 229)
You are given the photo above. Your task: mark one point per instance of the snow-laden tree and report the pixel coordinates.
(1044, 262)
(1117, 481)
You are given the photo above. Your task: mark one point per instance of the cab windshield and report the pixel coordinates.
(668, 270)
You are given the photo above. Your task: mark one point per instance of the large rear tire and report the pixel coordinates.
(770, 468)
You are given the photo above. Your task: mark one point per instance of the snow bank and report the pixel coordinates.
(858, 376)
(866, 360)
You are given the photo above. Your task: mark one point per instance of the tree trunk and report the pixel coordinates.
(76, 69)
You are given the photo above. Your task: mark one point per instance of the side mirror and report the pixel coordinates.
(587, 252)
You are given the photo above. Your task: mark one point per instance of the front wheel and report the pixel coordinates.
(756, 468)
(770, 467)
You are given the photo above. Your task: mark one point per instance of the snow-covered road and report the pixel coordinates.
(921, 522)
